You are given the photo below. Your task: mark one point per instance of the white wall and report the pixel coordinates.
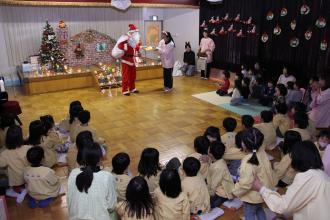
(184, 26)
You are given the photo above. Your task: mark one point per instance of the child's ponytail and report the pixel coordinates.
(252, 139)
(84, 179)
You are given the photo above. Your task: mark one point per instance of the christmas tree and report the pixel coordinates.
(50, 53)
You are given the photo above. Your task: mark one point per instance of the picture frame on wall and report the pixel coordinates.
(152, 32)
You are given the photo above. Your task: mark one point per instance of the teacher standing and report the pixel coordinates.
(166, 50)
(206, 48)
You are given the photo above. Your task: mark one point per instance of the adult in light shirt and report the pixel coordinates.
(308, 197)
(207, 47)
(285, 77)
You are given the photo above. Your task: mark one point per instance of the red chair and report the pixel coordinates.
(11, 107)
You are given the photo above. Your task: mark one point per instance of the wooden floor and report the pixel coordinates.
(168, 122)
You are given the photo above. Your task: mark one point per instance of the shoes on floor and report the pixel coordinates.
(126, 93)
(167, 89)
(32, 203)
(135, 91)
(45, 202)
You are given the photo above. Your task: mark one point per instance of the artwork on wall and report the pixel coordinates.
(101, 47)
(152, 31)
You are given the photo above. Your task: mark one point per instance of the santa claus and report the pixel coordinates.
(126, 48)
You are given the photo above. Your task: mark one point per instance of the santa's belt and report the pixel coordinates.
(128, 55)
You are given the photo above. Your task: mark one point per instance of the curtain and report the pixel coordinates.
(23, 25)
(305, 61)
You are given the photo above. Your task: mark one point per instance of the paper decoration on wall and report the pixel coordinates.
(217, 21)
(101, 47)
(294, 42)
(249, 21)
(270, 15)
(212, 20)
(253, 30)
(308, 34)
(264, 37)
(277, 30)
(293, 24)
(304, 9)
(121, 4)
(284, 12)
(213, 32)
(203, 25)
(240, 33)
(61, 24)
(231, 28)
(321, 22)
(226, 18)
(237, 18)
(324, 45)
(222, 31)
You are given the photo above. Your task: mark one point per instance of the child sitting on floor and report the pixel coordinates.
(64, 125)
(323, 140)
(212, 133)
(201, 146)
(254, 164)
(294, 93)
(267, 94)
(266, 127)
(42, 183)
(245, 91)
(281, 120)
(257, 89)
(120, 163)
(138, 203)
(219, 181)
(236, 97)
(279, 96)
(149, 167)
(170, 201)
(223, 83)
(301, 125)
(247, 122)
(13, 158)
(283, 170)
(194, 186)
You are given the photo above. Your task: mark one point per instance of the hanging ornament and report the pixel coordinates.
(253, 30)
(264, 37)
(222, 31)
(237, 18)
(308, 34)
(324, 45)
(270, 15)
(284, 12)
(231, 28)
(212, 20)
(293, 24)
(203, 25)
(226, 18)
(304, 9)
(240, 33)
(294, 42)
(277, 30)
(249, 21)
(321, 22)
(213, 32)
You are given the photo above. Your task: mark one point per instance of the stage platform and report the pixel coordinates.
(100, 76)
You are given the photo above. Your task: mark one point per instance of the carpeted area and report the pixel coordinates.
(249, 108)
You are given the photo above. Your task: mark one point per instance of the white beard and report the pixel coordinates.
(134, 39)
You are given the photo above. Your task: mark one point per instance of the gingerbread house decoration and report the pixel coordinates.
(88, 48)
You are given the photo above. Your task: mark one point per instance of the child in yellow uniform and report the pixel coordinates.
(247, 122)
(6, 120)
(74, 121)
(138, 203)
(120, 163)
(194, 186)
(201, 146)
(254, 164)
(42, 183)
(149, 167)
(50, 139)
(13, 158)
(301, 125)
(268, 130)
(283, 170)
(212, 134)
(170, 201)
(281, 120)
(64, 125)
(74, 156)
(219, 181)
(84, 118)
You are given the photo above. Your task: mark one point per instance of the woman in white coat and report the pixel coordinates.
(308, 197)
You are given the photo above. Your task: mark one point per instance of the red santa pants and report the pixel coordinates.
(129, 76)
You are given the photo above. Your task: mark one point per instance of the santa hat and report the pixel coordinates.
(132, 28)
